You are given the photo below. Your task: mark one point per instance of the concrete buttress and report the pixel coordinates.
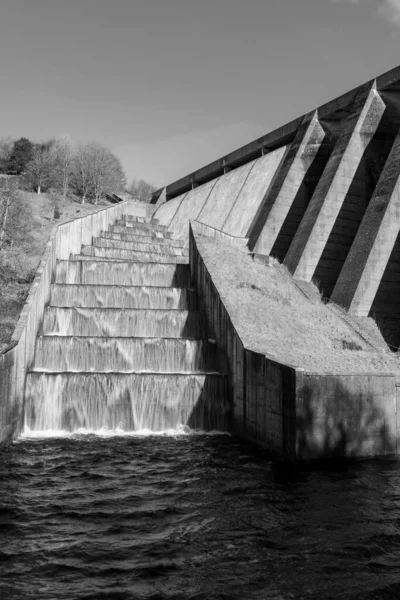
(361, 122)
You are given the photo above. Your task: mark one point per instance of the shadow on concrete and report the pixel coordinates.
(341, 424)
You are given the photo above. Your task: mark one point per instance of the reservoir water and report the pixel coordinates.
(191, 516)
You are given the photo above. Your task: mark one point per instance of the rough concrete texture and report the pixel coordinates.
(346, 415)
(223, 196)
(166, 212)
(366, 262)
(190, 208)
(229, 202)
(313, 233)
(274, 316)
(280, 198)
(294, 412)
(255, 189)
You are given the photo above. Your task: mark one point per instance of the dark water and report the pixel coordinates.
(191, 517)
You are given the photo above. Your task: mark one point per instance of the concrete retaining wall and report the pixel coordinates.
(65, 239)
(298, 415)
(230, 202)
(346, 415)
(262, 391)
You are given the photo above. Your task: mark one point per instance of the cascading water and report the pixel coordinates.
(123, 346)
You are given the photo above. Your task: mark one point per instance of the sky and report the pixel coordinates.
(171, 85)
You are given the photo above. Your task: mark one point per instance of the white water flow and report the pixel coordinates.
(149, 244)
(123, 346)
(112, 296)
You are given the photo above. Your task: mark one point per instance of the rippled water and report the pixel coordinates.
(191, 517)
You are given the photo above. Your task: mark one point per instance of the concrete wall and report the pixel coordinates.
(346, 415)
(65, 239)
(298, 415)
(229, 203)
(262, 391)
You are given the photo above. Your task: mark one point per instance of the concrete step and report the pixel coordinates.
(112, 296)
(139, 246)
(127, 226)
(124, 355)
(133, 219)
(151, 237)
(71, 401)
(171, 260)
(104, 272)
(116, 322)
(136, 256)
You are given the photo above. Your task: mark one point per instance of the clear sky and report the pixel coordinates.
(170, 85)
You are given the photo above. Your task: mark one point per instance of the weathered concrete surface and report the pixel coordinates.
(311, 237)
(14, 364)
(223, 196)
(228, 203)
(346, 415)
(255, 189)
(297, 413)
(362, 273)
(166, 212)
(190, 208)
(274, 210)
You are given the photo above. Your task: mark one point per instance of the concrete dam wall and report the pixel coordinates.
(321, 194)
(199, 311)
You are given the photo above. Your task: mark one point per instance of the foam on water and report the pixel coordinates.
(179, 430)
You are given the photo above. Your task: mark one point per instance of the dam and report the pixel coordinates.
(180, 368)
(158, 316)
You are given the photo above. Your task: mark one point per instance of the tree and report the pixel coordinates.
(63, 151)
(42, 169)
(141, 190)
(97, 172)
(20, 156)
(8, 190)
(6, 148)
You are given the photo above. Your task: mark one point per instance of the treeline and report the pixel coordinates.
(87, 171)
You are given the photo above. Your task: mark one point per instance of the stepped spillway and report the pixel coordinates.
(123, 343)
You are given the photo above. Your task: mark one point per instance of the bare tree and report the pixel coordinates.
(97, 172)
(41, 170)
(63, 151)
(6, 148)
(141, 190)
(80, 177)
(8, 189)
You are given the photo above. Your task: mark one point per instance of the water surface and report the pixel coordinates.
(197, 517)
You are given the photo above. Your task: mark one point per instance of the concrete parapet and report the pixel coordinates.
(356, 132)
(65, 239)
(207, 230)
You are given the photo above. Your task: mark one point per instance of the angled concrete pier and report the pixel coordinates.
(312, 235)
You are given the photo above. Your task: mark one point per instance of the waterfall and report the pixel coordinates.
(123, 345)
